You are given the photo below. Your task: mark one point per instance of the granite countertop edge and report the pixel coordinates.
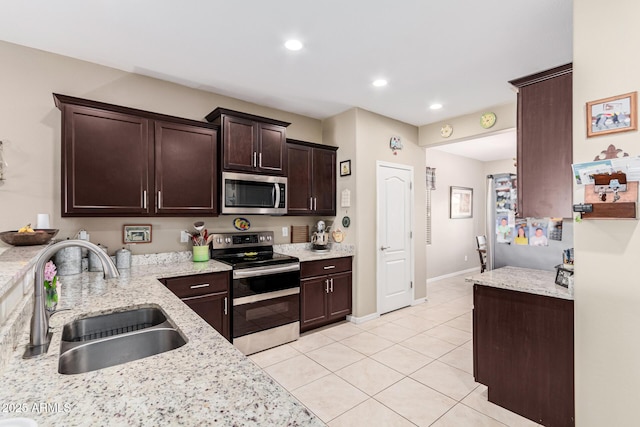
(206, 381)
(538, 282)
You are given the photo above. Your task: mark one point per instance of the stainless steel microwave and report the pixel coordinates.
(253, 194)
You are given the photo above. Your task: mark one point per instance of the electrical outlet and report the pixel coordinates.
(465, 258)
(184, 236)
(285, 231)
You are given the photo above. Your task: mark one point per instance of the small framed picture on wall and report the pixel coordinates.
(136, 233)
(611, 115)
(345, 168)
(461, 202)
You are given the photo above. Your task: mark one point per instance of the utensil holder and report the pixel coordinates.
(201, 253)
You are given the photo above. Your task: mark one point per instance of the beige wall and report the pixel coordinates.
(340, 131)
(453, 239)
(373, 133)
(363, 138)
(468, 126)
(607, 291)
(31, 131)
(500, 166)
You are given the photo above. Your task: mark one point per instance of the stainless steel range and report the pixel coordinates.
(265, 292)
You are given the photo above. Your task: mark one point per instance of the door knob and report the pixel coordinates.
(382, 248)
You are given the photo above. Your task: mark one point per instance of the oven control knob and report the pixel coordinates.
(219, 240)
(268, 238)
(227, 239)
(262, 238)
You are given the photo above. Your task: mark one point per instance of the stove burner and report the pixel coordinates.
(244, 250)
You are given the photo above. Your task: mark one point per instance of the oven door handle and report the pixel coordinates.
(266, 296)
(265, 270)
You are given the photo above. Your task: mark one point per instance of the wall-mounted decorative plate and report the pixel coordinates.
(241, 224)
(446, 131)
(487, 120)
(346, 221)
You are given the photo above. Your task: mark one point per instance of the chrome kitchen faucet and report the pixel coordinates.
(40, 337)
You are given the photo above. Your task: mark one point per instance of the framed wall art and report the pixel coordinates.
(611, 115)
(345, 168)
(460, 202)
(136, 233)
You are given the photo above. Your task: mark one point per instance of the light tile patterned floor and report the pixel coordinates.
(410, 367)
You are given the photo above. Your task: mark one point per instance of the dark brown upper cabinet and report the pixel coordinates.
(251, 143)
(312, 178)
(186, 173)
(545, 148)
(118, 161)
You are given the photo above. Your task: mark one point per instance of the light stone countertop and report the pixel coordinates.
(205, 382)
(539, 282)
(15, 262)
(303, 251)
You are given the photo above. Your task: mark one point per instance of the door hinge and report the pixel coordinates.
(411, 234)
(411, 186)
(411, 284)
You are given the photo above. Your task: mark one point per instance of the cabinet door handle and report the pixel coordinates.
(254, 159)
(315, 203)
(225, 305)
(310, 203)
(326, 286)
(260, 160)
(159, 199)
(144, 199)
(329, 267)
(203, 285)
(332, 284)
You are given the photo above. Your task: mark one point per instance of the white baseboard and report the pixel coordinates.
(419, 301)
(359, 320)
(457, 273)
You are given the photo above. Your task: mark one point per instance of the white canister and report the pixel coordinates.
(94, 262)
(123, 258)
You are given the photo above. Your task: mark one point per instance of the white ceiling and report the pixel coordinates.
(459, 53)
(498, 146)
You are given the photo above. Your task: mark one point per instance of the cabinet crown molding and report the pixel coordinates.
(218, 112)
(543, 75)
(62, 100)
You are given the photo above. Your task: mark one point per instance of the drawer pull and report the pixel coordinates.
(329, 267)
(204, 285)
(225, 305)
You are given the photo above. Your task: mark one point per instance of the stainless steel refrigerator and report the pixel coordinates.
(501, 202)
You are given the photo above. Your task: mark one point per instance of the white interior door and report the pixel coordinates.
(394, 236)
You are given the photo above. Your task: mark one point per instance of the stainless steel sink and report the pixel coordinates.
(111, 339)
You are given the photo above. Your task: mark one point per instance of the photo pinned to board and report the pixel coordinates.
(538, 231)
(555, 229)
(521, 232)
(505, 225)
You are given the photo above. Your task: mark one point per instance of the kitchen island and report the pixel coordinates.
(523, 343)
(205, 382)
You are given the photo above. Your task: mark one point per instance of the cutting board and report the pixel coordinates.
(300, 234)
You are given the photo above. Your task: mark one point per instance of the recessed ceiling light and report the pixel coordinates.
(293, 44)
(435, 106)
(379, 82)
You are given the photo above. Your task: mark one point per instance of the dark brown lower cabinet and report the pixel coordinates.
(523, 352)
(207, 295)
(325, 292)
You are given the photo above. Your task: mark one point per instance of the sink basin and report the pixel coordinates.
(111, 339)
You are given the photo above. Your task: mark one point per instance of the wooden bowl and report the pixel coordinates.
(38, 237)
